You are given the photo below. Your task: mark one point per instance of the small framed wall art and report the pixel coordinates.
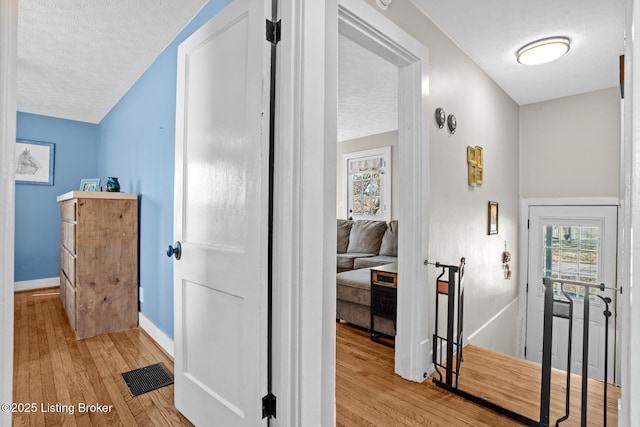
(479, 175)
(34, 162)
(473, 171)
(492, 217)
(475, 162)
(471, 155)
(479, 156)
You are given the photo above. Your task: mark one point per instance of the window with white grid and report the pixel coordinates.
(368, 184)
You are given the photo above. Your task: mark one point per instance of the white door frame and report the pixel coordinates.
(366, 26)
(605, 218)
(305, 230)
(523, 238)
(8, 67)
(630, 194)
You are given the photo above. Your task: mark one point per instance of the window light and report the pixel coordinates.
(544, 50)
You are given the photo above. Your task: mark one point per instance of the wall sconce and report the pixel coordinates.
(441, 117)
(384, 4)
(452, 123)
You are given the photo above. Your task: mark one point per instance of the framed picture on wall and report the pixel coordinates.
(34, 162)
(493, 218)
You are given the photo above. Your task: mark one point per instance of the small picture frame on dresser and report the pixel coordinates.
(92, 184)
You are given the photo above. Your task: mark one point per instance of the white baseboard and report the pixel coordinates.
(28, 285)
(154, 332)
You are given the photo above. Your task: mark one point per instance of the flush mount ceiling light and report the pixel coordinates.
(544, 50)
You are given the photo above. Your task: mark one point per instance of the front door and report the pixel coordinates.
(577, 243)
(221, 218)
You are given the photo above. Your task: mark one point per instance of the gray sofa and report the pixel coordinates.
(362, 245)
(365, 244)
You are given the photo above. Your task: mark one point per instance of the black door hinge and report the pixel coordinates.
(269, 406)
(273, 32)
(528, 224)
(525, 351)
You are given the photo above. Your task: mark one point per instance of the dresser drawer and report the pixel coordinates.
(68, 210)
(68, 265)
(68, 236)
(70, 303)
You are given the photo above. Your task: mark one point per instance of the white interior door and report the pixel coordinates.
(574, 243)
(221, 218)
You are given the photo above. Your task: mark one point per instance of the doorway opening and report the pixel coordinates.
(403, 77)
(575, 243)
(367, 186)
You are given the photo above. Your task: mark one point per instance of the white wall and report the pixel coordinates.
(458, 214)
(570, 146)
(366, 143)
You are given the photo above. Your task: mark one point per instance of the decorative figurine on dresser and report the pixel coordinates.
(99, 261)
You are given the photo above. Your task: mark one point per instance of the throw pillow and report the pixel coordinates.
(366, 236)
(344, 228)
(389, 246)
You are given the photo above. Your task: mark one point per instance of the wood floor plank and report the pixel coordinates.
(21, 357)
(35, 393)
(46, 357)
(58, 365)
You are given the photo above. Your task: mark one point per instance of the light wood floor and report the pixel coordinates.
(52, 367)
(368, 393)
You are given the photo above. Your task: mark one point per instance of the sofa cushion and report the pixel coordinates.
(389, 244)
(345, 261)
(366, 236)
(373, 261)
(354, 286)
(344, 229)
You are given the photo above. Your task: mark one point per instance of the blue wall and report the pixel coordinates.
(37, 247)
(136, 143)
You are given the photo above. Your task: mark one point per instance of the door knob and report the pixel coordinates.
(175, 251)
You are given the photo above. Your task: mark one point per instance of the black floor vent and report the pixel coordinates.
(149, 378)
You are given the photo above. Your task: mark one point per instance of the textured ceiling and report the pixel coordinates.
(491, 32)
(367, 92)
(77, 58)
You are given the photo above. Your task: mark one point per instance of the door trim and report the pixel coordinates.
(523, 262)
(8, 67)
(305, 209)
(369, 28)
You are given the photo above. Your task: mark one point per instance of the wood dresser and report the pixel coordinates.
(99, 261)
